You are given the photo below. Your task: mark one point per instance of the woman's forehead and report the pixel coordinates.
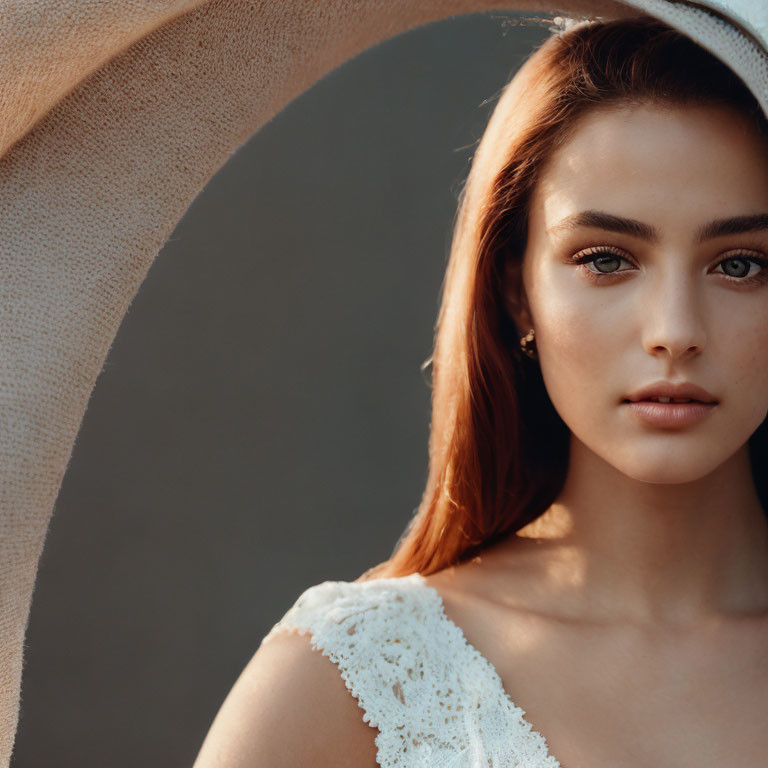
(652, 161)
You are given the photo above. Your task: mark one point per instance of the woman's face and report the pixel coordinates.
(672, 307)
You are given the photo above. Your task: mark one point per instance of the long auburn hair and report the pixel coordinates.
(498, 450)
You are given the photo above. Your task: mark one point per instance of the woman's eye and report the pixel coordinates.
(745, 270)
(606, 261)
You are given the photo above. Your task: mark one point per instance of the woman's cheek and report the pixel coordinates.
(574, 366)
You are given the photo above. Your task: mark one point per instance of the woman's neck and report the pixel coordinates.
(674, 554)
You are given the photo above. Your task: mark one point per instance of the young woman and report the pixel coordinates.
(567, 536)
(586, 580)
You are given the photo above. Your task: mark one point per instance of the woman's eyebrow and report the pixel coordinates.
(611, 223)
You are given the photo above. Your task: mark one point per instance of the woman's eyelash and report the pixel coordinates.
(591, 255)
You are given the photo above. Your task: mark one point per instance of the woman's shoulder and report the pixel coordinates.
(291, 704)
(289, 707)
(382, 639)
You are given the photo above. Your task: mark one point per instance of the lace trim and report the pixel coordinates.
(376, 633)
(435, 699)
(534, 743)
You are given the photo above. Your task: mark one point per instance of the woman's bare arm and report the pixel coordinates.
(289, 707)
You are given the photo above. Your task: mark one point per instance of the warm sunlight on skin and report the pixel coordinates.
(664, 521)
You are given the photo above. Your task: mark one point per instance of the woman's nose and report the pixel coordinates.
(672, 319)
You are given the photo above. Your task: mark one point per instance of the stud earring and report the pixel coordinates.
(527, 345)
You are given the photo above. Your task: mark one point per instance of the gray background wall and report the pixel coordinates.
(261, 422)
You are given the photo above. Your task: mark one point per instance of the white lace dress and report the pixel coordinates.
(435, 699)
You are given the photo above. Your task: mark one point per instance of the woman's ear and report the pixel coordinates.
(515, 299)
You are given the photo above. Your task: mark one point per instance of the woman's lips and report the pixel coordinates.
(669, 414)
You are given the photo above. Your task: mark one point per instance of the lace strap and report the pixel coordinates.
(384, 637)
(434, 698)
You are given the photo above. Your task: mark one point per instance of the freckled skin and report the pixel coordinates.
(630, 619)
(653, 524)
(670, 316)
